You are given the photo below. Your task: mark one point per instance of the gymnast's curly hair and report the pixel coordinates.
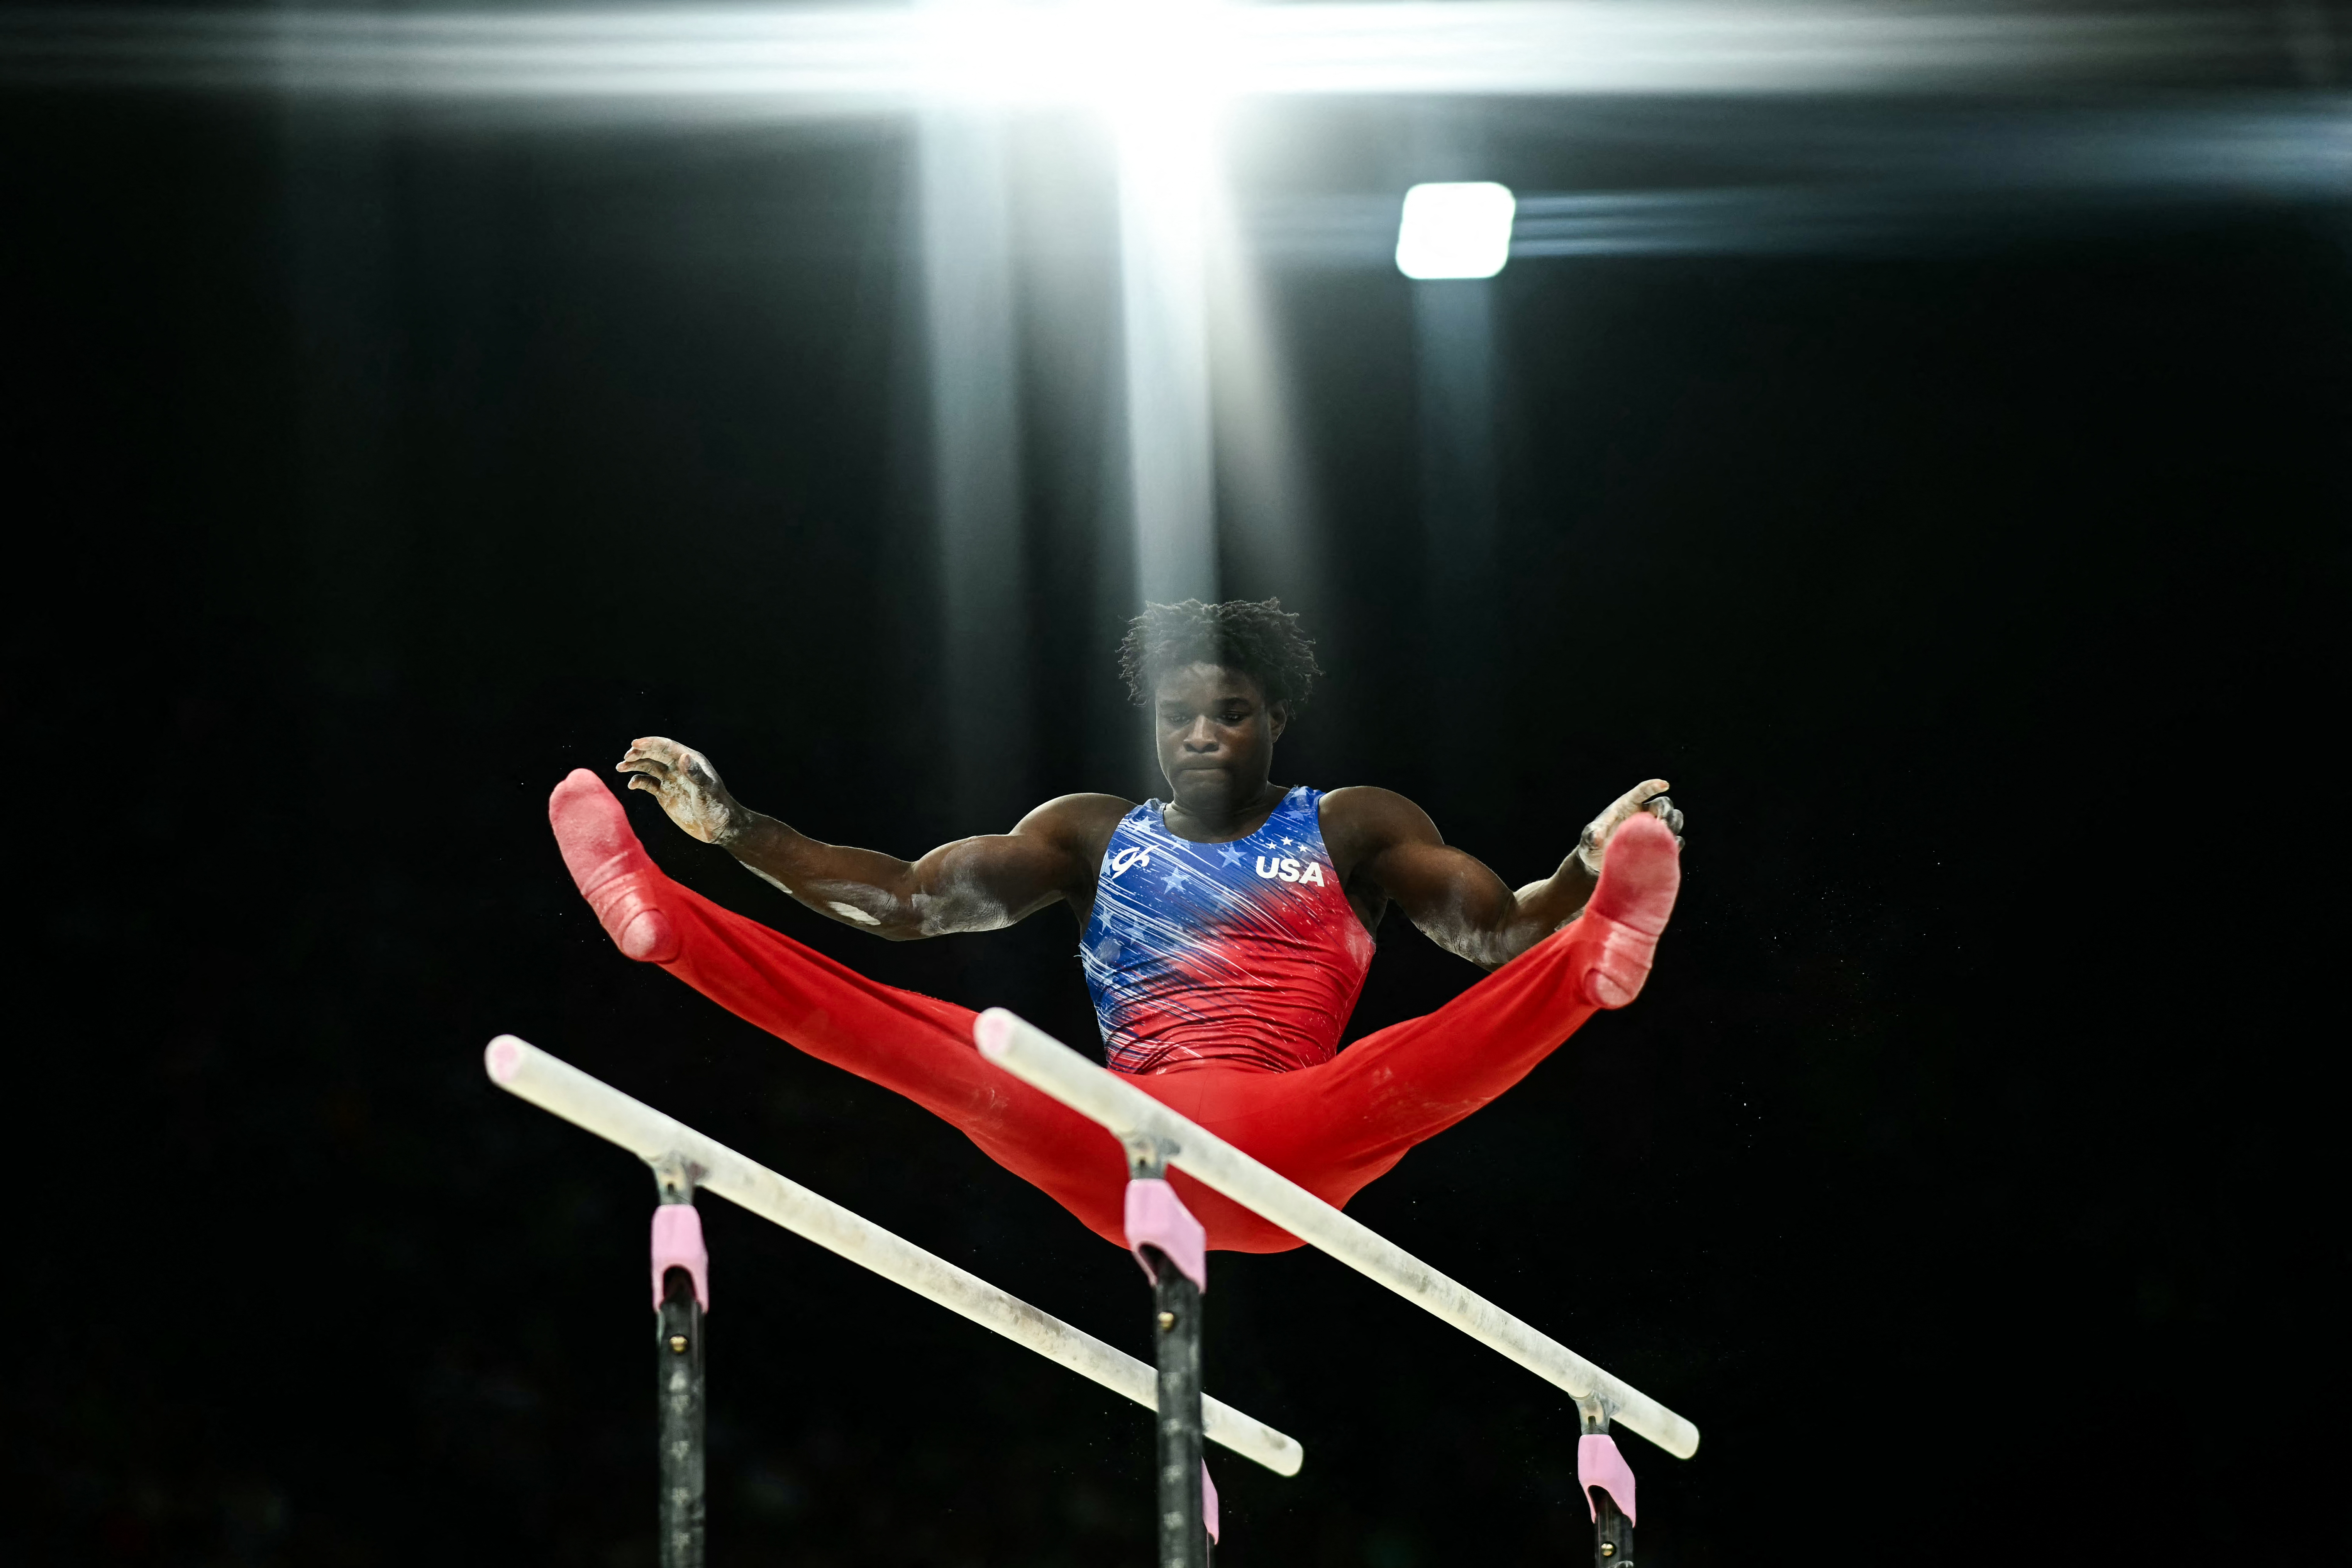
(1256, 636)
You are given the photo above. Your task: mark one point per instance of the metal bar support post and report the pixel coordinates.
(681, 1293)
(1176, 1332)
(1166, 1239)
(1613, 1533)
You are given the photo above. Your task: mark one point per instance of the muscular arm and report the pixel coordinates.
(973, 884)
(1390, 850)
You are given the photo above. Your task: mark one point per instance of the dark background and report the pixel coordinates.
(1963, 1171)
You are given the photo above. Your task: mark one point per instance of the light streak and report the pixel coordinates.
(768, 59)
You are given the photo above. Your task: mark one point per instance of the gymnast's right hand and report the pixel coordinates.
(688, 786)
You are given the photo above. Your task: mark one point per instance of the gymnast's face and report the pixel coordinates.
(1216, 732)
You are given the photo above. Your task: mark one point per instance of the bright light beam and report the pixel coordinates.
(976, 453)
(1157, 84)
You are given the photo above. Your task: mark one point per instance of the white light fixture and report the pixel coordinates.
(1455, 230)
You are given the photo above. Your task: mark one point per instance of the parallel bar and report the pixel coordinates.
(1134, 1117)
(529, 1073)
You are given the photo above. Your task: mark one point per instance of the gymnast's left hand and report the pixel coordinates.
(688, 786)
(1650, 798)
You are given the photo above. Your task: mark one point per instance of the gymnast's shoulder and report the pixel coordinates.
(1361, 818)
(1075, 820)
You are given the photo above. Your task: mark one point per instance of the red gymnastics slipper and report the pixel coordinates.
(614, 872)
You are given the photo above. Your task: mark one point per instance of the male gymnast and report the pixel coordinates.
(1224, 935)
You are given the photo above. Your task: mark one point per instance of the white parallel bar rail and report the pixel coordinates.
(524, 1071)
(1135, 1117)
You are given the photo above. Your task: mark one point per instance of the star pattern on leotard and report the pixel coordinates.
(1176, 878)
(1233, 856)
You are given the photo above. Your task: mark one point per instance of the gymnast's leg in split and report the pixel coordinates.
(1224, 935)
(913, 1045)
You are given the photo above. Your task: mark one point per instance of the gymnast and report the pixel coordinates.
(1224, 935)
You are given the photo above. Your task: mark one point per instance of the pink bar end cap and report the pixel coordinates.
(503, 1056)
(989, 1030)
(1208, 1500)
(1599, 1464)
(1157, 1216)
(678, 1244)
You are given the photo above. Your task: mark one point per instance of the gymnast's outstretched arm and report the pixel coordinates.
(973, 884)
(1388, 848)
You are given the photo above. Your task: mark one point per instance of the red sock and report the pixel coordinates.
(1640, 876)
(614, 872)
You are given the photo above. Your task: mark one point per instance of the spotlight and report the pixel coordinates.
(1455, 230)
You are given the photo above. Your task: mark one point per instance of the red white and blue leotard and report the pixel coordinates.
(1223, 974)
(1244, 955)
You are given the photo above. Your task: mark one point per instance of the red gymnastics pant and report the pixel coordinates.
(1332, 1128)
